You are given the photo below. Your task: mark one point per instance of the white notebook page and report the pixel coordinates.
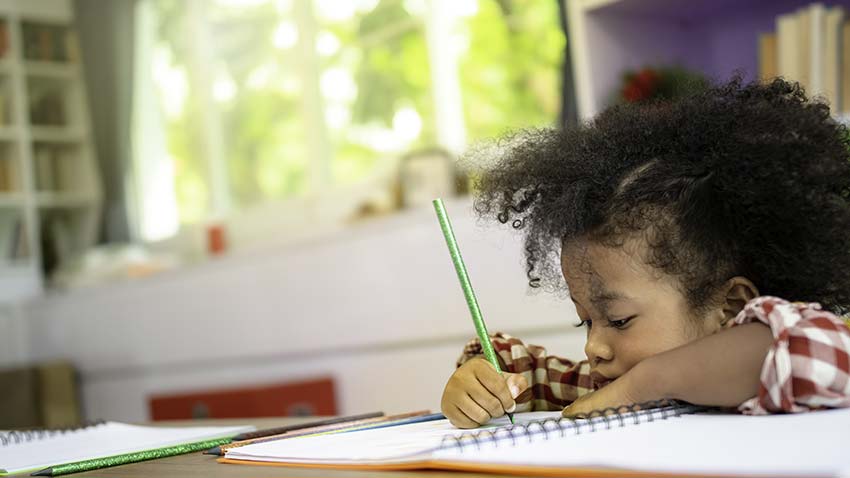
(102, 440)
(805, 444)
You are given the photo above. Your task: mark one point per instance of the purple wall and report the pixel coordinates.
(714, 36)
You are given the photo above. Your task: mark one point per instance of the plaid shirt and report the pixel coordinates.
(806, 368)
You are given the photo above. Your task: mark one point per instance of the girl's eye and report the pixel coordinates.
(583, 323)
(619, 324)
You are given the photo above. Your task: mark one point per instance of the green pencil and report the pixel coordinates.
(468, 293)
(132, 457)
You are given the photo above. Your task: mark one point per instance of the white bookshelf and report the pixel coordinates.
(50, 193)
(716, 37)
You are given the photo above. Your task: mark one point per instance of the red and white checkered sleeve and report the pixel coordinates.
(555, 382)
(808, 366)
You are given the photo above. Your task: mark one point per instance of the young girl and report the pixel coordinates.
(675, 229)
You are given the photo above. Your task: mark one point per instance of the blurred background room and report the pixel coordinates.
(221, 208)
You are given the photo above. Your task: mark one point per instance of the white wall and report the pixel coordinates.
(377, 306)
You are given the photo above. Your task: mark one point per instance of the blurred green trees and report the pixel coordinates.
(375, 84)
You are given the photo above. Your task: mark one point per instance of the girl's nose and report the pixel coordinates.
(597, 349)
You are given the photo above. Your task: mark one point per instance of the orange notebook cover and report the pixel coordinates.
(673, 440)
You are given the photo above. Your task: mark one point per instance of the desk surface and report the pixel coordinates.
(200, 465)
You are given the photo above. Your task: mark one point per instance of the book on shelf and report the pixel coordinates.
(817, 33)
(7, 175)
(787, 46)
(811, 46)
(832, 55)
(767, 56)
(72, 46)
(4, 39)
(47, 109)
(46, 42)
(845, 67)
(803, 18)
(4, 108)
(45, 176)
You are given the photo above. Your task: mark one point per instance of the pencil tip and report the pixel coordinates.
(44, 472)
(511, 418)
(216, 450)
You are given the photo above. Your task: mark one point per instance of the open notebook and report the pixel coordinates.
(669, 440)
(35, 450)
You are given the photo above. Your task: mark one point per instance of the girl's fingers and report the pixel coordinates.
(519, 388)
(460, 419)
(486, 400)
(495, 383)
(473, 410)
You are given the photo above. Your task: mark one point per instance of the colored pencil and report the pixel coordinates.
(466, 285)
(365, 424)
(330, 421)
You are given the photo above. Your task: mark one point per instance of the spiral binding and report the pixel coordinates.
(14, 437)
(586, 423)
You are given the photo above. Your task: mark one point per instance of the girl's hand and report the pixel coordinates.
(476, 392)
(634, 386)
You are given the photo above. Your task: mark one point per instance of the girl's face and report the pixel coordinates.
(631, 311)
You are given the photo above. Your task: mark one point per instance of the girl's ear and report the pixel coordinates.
(737, 291)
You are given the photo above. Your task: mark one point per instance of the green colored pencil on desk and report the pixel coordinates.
(97, 463)
(468, 293)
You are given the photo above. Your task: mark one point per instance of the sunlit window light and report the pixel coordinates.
(271, 176)
(327, 44)
(224, 89)
(162, 221)
(366, 6)
(240, 3)
(290, 84)
(285, 35)
(337, 116)
(376, 138)
(407, 124)
(336, 10)
(416, 8)
(337, 84)
(377, 92)
(260, 77)
(193, 194)
(463, 8)
(283, 6)
(172, 83)
(460, 42)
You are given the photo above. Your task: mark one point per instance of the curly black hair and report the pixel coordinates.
(740, 178)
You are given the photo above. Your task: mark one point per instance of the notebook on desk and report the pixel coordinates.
(37, 449)
(673, 440)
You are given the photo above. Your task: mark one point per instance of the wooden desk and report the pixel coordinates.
(200, 465)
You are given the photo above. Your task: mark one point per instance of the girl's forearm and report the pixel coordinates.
(721, 369)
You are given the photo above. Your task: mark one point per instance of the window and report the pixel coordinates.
(239, 102)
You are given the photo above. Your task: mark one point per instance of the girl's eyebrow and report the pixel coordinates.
(602, 297)
(605, 296)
